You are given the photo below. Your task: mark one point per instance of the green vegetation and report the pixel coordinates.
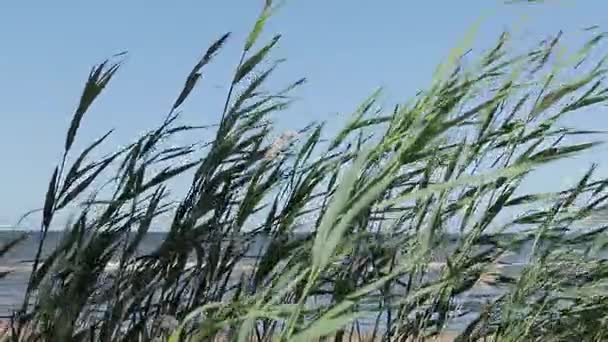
(447, 163)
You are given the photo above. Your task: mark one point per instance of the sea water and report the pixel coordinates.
(19, 262)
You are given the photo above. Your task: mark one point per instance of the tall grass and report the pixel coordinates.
(379, 200)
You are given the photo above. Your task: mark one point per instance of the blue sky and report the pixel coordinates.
(345, 48)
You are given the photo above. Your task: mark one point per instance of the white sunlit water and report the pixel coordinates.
(19, 262)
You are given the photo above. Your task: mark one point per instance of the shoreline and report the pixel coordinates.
(447, 336)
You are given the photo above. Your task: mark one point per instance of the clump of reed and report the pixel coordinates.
(379, 201)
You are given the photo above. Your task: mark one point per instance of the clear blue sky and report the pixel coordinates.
(346, 48)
